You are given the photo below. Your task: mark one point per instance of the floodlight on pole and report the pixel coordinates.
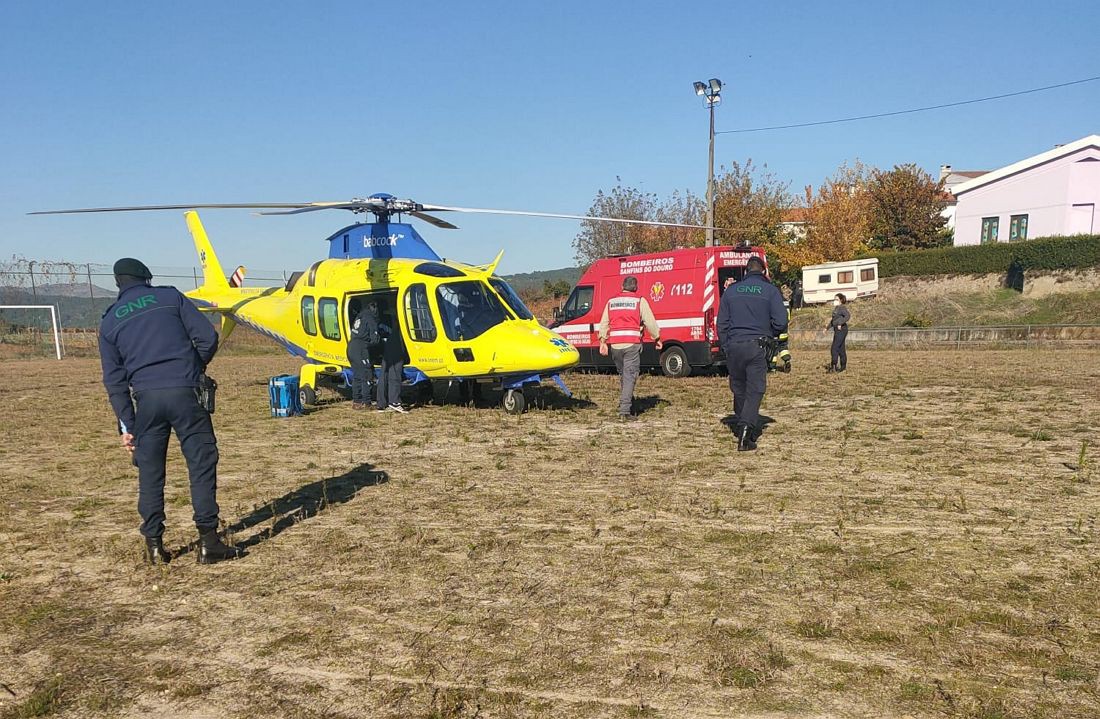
(712, 94)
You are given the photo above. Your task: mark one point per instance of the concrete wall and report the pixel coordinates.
(1052, 336)
(1045, 193)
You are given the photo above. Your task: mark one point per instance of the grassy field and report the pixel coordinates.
(916, 537)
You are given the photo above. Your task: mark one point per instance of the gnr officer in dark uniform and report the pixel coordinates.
(154, 345)
(750, 315)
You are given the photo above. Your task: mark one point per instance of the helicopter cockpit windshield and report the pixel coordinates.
(468, 309)
(509, 295)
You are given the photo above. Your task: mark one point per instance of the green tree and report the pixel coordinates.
(749, 203)
(601, 239)
(556, 289)
(839, 215)
(906, 207)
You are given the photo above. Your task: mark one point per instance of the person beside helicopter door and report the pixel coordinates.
(393, 368)
(364, 334)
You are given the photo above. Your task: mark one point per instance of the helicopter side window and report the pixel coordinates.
(509, 295)
(579, 302)
(418, 315)
(330, 318)
(468, 309)
(309, 318)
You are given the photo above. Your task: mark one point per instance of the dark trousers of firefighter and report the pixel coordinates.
(839, 354)
(362, 371)
(748, 369)
(393, 370)
(159, 412)
(628, 362)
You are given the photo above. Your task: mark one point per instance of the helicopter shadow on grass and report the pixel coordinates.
(544, 397)
(278, 515)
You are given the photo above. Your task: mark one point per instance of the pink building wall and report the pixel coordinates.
(1060, 196)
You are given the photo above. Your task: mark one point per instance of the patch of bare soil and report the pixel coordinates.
(915, 537)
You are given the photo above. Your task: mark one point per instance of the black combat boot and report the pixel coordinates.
(212, 550)
(155, 553)
(746, 438)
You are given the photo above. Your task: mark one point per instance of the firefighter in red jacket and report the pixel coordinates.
(621, 327)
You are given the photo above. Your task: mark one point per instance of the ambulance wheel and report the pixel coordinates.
(674, 363)
(306, 395)
(514, 402)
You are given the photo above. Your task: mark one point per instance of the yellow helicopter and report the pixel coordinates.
(459, 322)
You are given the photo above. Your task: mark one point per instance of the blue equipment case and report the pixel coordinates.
(283, 391)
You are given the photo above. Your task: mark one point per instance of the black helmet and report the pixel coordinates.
(133, 268)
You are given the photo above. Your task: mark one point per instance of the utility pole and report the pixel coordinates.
(712, 94)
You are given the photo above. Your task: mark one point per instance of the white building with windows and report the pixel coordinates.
(1053, 193)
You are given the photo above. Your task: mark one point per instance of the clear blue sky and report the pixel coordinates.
(519, 105)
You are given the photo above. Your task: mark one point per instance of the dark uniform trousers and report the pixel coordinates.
(158, 412)
(748, 370)
(362, 371)
(838, 351)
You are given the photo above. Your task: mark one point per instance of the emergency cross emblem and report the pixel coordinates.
(657, 291)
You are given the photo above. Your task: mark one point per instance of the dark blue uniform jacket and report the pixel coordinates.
(751, 308)
(152, 338)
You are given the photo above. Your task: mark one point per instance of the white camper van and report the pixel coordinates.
(855, 278)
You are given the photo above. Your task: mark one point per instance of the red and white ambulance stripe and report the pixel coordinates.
(708, 285)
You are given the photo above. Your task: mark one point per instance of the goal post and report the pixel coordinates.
(53, 322)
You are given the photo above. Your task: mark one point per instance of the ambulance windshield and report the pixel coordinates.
(468, 309)
(579, 302)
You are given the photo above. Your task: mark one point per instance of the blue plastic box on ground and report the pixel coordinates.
(283, 391)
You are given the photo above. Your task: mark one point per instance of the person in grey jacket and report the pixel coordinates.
(839, 325)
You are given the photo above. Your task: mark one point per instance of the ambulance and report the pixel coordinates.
(682, 286)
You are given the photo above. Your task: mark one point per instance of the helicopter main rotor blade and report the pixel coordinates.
(442, 224)
(315, 206)
(523, 213)
(195, 206)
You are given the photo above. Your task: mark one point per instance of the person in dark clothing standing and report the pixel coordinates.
(751, 314)
(393, 368)
(796, 295)
(364, 337)
(154, 346)
(839, 326)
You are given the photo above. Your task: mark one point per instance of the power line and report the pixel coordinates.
(910, 111)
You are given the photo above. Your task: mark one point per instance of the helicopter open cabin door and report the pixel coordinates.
(421, 332)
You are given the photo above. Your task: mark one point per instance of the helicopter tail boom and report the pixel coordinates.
(213, 278)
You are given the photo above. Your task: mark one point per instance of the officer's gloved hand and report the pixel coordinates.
(786, 366)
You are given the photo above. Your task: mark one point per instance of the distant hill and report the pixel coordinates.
(534, 280)
(74, 306)
(78, 289)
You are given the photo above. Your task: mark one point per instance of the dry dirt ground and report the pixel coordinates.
(915, 537)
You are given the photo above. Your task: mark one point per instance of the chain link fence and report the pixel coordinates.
(82, 292)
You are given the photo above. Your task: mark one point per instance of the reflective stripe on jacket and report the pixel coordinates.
(624, 315)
